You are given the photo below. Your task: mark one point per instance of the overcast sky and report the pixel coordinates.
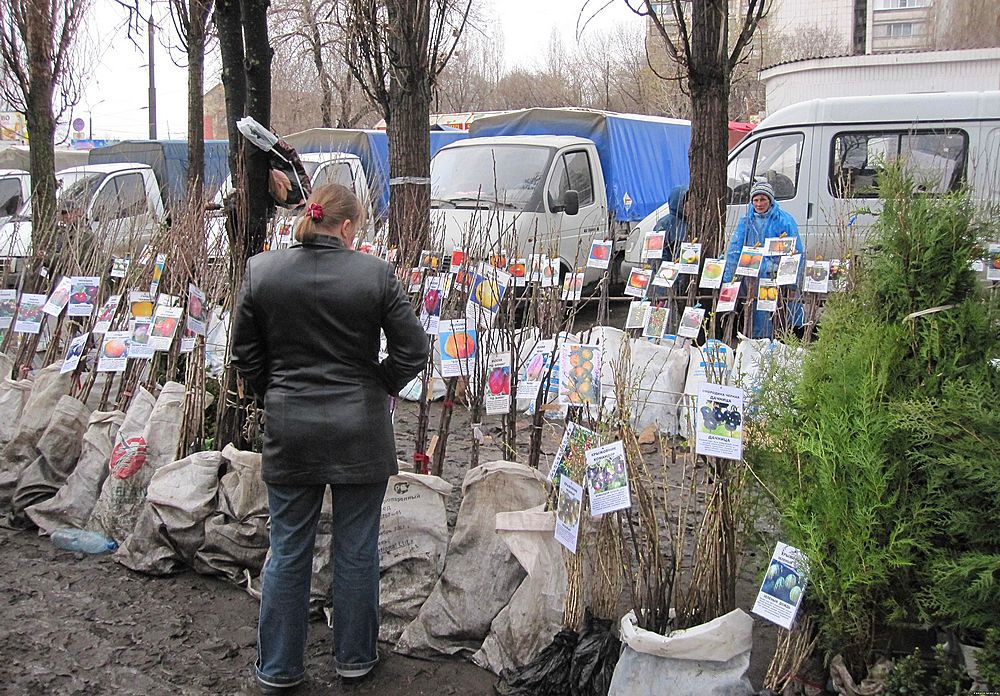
(116, 95)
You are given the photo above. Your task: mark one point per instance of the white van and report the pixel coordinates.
(821, 155)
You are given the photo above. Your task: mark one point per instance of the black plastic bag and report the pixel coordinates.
(546, 675)
(594, 658)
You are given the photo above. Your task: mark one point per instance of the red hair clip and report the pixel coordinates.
(314, 211)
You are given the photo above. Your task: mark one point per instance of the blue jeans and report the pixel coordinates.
(284, 608)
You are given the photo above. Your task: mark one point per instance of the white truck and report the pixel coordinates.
(543, 180)
(822, 157)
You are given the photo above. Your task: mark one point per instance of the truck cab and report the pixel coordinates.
(520, 195)
(119, 204)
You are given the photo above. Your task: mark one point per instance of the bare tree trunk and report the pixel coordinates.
(227, 23)
(42, 126)
(708, 82)
(316, 44)
(197, 18)
(258, 81)
(408, 126)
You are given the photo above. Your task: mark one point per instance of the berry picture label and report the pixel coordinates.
(8, 305)
(83, 295)
(607, 479)
(73, 353)
(29, 313)
(568, 513)
(656, 322)
(719, 421)
(571, 457)
(817, 277)
(788, 270)
(780, 594)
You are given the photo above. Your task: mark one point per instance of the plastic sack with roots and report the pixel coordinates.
(480, 573)
(47, 388)
(236, 537)
(13, 395)
(710, 660)
(134, 460)
(534, 615)
(59, 450)
(72, 504)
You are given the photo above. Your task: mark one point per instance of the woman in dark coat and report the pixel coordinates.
(306, 339)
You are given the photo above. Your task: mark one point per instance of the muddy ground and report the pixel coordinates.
(71, 624)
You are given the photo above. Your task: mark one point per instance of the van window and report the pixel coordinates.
(936, 159)
(10, 196)
(775, 159)
(572, 171)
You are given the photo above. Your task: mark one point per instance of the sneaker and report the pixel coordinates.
(354, 674)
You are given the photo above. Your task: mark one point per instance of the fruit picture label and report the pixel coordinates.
(780, 594)
(719, 418)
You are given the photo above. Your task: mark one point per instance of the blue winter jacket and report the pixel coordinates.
(752, 230)
(673, 224)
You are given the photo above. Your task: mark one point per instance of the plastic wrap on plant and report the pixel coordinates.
(546, 675)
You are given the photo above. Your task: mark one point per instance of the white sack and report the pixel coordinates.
(710, 660)
(534, 615)
(657, 375)
(72, 504)
(480, 573)
(124, 490)
(170, 527)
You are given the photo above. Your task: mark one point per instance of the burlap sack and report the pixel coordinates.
(171, 525)
(480, 572)
(134, 460)
(72, 504)
(58, 451)
(46, 389)
(13, 395)
(236, 538)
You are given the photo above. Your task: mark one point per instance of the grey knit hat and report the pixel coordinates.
(764, 188)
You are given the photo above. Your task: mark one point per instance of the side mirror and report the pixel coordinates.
(571, 202)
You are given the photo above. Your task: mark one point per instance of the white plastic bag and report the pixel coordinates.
(534, 615)
(709, 660)
(480, 573)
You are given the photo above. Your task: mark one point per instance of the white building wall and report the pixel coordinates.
(893, 73)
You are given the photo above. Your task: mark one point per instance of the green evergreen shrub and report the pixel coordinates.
(883, 456)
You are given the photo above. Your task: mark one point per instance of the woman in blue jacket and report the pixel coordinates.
(763, 220)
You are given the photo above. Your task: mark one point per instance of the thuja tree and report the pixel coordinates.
(884, 454)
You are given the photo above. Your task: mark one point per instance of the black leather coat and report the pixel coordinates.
(306, 339)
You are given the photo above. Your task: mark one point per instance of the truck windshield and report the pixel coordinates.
(76, 190)
(477, 176)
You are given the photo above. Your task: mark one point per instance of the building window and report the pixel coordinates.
(900, 4)
(899, 30)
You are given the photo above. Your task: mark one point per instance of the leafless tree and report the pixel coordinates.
(696, 37)
(307, 37)
(191, 19)
(397, 50)
(37, 43)
(965, 24)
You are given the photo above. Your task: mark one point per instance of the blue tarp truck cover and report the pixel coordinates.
(643, 157)
(169, 162)
(370, 146)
